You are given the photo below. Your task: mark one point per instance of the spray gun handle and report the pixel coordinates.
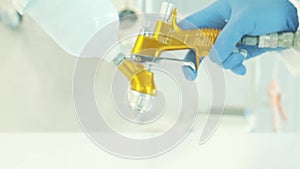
(168, 36)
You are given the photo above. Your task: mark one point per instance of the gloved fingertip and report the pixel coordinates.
(240, 70)
(234, 60)
(189, 73)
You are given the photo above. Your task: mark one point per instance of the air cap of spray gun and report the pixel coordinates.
(139, 102)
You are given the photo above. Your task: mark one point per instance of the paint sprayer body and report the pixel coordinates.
(168, 36)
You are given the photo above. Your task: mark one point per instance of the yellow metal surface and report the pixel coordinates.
(166, 37)
(169, 36)
(141, 80)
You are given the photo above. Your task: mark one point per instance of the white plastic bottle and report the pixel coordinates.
(73, 23)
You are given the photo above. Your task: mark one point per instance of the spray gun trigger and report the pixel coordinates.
(190, 71)
(151, 59)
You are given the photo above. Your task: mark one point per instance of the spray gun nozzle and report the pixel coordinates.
(139, 102)
(142, 86)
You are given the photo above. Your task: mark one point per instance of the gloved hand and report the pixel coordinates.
(238, 18)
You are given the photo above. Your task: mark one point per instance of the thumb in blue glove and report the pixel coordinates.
(238, 18)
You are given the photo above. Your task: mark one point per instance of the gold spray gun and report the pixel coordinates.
(168, 36)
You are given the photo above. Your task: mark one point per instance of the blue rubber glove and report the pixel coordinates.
(238, 18)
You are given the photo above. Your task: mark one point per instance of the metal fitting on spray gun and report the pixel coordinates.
(274, 40)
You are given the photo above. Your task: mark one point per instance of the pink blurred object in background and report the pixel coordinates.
(277, 109)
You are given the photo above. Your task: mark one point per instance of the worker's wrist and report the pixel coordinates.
(20, 5)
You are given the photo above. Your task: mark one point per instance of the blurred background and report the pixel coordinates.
(36, 79)
(36, 92)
